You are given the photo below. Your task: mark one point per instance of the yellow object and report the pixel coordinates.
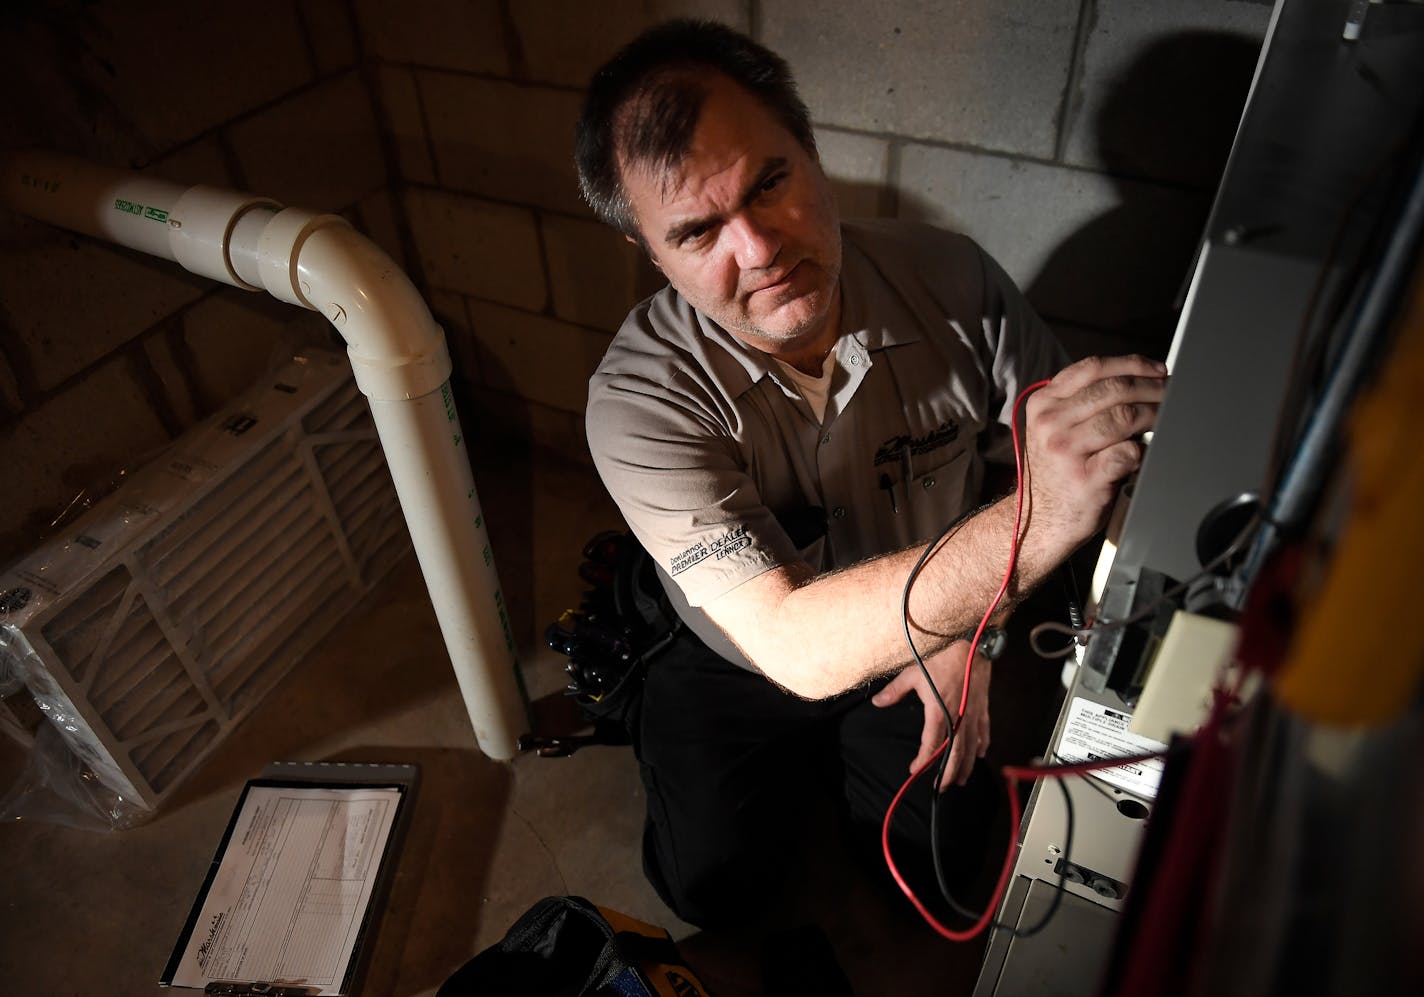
(1358, 655)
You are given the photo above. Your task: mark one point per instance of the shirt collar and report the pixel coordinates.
(739, 366)
(859, 275)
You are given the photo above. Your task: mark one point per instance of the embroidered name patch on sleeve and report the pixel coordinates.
(730, 542)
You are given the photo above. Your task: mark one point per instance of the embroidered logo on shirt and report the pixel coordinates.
(730, 542)
(892, 449)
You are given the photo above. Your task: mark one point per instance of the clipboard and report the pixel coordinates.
(289, 904)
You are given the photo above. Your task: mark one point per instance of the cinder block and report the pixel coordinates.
(447, 34)
(494, 414)
(59, 109)
(596, 275)
(376, 219)
(449, 309)
(332, 32)
(478, 248)
(564, 41)
(72, 300)
(1019, 211)
(503, 140)
(319, 149)
(171, 368)
(990, 75)
(405, 121)
(1085, 249)
(537, 358)
(857, 166)
(71, 446)
(560, 431)
(233, 337)
(201, 162)
(1162, 86)
(157, 56)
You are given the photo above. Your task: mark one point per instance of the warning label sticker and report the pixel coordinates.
(1095, 732)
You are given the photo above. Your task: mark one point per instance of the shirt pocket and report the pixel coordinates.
(937, 497)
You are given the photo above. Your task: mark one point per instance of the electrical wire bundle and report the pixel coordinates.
(1012, 774)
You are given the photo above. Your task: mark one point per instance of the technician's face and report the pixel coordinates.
(745, 228)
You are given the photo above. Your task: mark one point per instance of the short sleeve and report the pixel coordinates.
(676, 475)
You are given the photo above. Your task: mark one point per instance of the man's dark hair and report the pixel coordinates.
(643, 105)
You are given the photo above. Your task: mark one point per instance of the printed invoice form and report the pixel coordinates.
(289, 897)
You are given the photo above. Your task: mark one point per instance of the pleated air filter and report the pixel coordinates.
(163, 616)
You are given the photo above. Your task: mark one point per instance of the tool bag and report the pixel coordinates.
(623, 622)
(567, 947)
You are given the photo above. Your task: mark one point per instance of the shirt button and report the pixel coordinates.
(826, 439)
(855, 359)
(839, 512)
(929, 481)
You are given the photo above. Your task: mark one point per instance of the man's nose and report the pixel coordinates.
(757, 243)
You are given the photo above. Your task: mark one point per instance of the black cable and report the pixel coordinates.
(1052, 626)
(1058, 889)
(935, 852)
(940, 538)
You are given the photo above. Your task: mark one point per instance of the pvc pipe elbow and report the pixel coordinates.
(319, 262)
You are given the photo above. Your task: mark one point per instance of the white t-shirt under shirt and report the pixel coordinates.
(815, 390)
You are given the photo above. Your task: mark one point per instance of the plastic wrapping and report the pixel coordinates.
(144, 630)
(63, 781)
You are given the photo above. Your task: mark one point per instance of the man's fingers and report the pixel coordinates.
(932, 735)
(1116, 462)
(1077, 376)
(961, 763)
(1081, 434)
(894, 690)
(1098, 415)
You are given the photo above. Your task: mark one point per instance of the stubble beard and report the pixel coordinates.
(781, 334)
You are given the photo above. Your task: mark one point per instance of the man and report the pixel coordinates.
(784, 428)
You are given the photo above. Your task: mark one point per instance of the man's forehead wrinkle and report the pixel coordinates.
(676, 182)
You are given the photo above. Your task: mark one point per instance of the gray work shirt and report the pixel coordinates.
(722, 470)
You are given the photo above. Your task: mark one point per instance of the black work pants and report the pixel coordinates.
(732, 766)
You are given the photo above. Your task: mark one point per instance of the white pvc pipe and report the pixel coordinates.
(397, 352)
(426, 451)
(126, 208)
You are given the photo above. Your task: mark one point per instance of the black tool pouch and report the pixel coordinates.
(567, 947)
(623, 622)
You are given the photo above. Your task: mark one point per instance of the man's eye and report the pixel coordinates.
(696, 235)
(772, 182)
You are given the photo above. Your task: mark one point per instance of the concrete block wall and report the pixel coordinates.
(105, 354)
(480, 101)
(1078, 140)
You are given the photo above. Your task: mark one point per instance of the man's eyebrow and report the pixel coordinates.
(684, 228)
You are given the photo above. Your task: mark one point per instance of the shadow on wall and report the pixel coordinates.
(1170, 117)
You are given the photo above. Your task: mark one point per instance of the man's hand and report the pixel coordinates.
(1080, 441)
(971, 740)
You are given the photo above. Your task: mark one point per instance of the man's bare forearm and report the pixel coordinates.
(821, 636)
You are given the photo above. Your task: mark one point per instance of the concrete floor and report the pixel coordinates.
(88, 913)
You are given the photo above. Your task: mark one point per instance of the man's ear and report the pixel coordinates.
(644, 247)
